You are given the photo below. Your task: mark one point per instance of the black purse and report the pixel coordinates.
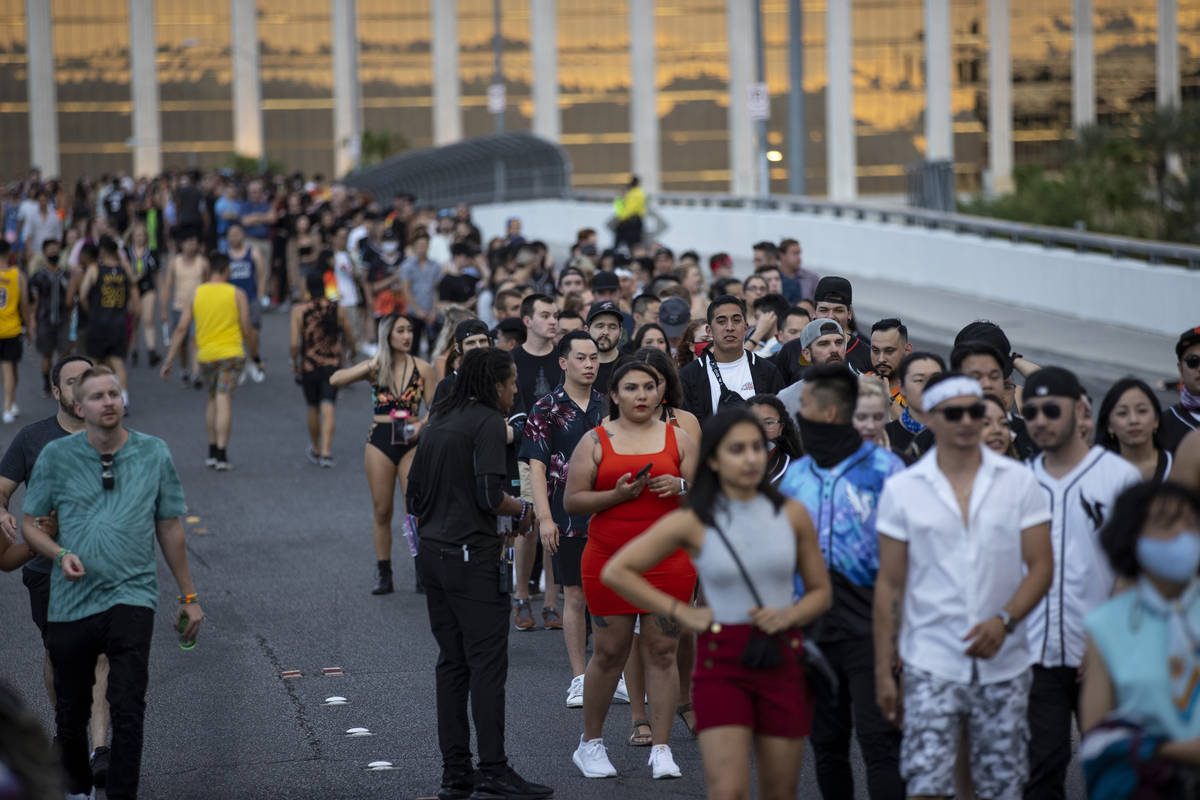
(727, 398)
(763, 651)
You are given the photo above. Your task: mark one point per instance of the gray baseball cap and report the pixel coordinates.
(818, 328)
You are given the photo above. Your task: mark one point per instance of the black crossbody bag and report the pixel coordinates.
(764, 651)
(727, 397)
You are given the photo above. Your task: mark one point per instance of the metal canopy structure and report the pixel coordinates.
(490, 169)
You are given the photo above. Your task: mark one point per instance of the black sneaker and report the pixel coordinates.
(508, 785)
(100, 767)
(155, 359)
(458, 787)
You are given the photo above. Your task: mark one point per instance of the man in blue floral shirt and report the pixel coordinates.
(839, 480)
(556, 424)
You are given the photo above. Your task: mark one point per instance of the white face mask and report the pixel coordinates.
(391, 247)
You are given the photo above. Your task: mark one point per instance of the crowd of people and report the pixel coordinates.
(771, 520)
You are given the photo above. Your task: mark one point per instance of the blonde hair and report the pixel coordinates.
(386, 378)
(874, 386)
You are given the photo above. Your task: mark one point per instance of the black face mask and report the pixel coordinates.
(829, 444)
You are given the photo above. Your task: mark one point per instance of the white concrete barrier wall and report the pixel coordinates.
(1099, 288)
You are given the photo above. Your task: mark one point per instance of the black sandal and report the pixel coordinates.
(636, 739)
(686, 708)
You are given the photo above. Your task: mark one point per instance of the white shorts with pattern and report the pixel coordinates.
(997, 727)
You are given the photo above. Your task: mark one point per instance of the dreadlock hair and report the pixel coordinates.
(481, 369)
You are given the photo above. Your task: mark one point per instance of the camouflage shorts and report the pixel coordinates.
(997, 734)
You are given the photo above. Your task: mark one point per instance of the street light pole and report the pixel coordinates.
(797, 126)
(497, 55)
(764, 181)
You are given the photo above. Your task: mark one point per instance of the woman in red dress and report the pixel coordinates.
(608, 479)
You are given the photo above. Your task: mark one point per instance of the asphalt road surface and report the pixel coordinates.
(281, 555)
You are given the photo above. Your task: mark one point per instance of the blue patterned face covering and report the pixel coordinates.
(910, 424)
(1174, 560)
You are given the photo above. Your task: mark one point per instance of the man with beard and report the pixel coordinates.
(821, 342)
(839, 480)
(834, 298)
(889, 346)
(1184, 417)
(604, 324)
(15, 469)
(1082, 483)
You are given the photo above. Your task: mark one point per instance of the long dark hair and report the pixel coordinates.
(789, 438)
(1108, 440)
(315, 283)
(478, 374)
(614, 410)
(662, 363)
(1164, 502)
(706, 496)
(642, 331)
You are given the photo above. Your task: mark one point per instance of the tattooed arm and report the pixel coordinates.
(889, 606)
(581, 496)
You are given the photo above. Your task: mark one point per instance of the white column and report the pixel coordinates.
(247, 83)
(939, 131)
(1168, 54)
(42, 91)
(740, 27)
(841, 149)
(347, 115)
(1083, 67)
(447, 115)
(1000, 127)
(143, 49)
(544, 33)
(643, 100)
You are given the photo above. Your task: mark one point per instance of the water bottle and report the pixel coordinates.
(184, 621)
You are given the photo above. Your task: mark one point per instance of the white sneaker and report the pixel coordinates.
(662, 763)
(621, 695)
(16, 412)
(255, 372)
(575, 693)
(8, 418)
(592, 759)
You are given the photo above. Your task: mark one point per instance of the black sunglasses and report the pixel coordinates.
(106, 471)
(955, 413)
(1051, 410)
(1192, 362)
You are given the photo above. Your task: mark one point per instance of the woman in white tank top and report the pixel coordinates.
(748, 543)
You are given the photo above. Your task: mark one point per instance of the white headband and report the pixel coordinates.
(959, 386)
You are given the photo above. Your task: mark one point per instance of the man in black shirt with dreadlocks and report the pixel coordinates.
(457, 493)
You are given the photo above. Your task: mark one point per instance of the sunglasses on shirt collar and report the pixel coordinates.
(106, 471)
(975, 411)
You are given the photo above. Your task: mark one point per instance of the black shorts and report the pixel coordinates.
(108, 341)
(10, 349)
(380, 437)
(38, 584)
(316, 386)
(567, 560)
(145, 283)
(53, 338)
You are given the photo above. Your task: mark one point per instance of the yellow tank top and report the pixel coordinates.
(218, 335)
(10, 303)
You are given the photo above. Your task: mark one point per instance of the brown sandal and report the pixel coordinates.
(641, 739)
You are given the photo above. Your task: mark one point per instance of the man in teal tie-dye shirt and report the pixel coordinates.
(114, 492)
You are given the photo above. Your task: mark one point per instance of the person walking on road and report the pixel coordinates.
(748, 543)
(114, 490)
(222, 321)
(457, 494)
(401, 385)
(14, 313)
(187, 269)
(109, 295)
(321, 336)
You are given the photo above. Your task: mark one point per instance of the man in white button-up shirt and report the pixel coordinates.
(964, 555)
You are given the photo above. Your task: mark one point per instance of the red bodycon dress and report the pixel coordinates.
(610, 529)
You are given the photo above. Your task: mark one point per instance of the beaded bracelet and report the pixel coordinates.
(188, 599)
(58, 558)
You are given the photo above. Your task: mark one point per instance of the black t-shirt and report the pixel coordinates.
(189, 202)
(18, 461)
(116, 207)
(858, 354)
(456, 288)
(536, 375)
(604, 375)
(455, 448)
(787, 361)
(108, 298)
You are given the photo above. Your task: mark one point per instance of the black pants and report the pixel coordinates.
(123, 634)
(1053, 699)
(469, 619)
(421, 329)
(854, 709)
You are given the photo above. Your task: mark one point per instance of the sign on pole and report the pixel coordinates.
(496, 98)
(758, 99)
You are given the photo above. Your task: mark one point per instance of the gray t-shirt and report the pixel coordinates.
(423, 280)
(18, 461)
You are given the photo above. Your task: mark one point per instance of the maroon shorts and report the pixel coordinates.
(771, 702)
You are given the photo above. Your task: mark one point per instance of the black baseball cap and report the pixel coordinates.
(1053, 382)
(605, 280)
(988, 333)
(470, 327)
(605, 308)
(833, 289)
(673, 316)
(1187, 339)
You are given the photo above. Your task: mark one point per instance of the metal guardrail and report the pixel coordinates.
(1153, 252)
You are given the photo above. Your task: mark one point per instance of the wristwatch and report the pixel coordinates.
(1010, 624)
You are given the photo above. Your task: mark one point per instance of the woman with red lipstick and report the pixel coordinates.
(1128, 425)
(628, 473)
